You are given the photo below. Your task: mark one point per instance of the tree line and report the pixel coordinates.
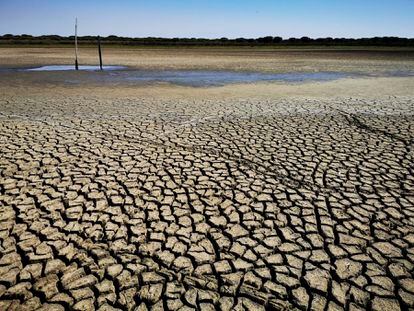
(153, 41)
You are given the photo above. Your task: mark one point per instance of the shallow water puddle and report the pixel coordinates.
(71, 67)
(217, 78)
(196, 78)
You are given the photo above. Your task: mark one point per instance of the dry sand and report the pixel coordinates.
(258, 196)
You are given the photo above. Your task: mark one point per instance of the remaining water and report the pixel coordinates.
(197, 78)
(217, 78)
(72, 67)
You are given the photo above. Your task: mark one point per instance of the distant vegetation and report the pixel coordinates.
(9, 39)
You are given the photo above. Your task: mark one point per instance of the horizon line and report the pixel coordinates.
(206, 38)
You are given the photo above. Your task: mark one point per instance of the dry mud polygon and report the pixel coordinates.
(139, 204)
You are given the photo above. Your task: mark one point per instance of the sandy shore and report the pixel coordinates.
(258, 196)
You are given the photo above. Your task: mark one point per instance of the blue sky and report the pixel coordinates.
(210, 18)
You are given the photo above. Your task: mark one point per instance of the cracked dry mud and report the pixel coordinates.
(139, 204)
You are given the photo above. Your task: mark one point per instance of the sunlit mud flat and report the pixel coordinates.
(246, 196)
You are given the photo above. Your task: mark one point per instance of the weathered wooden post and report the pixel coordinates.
(100, 52)
(76, 44)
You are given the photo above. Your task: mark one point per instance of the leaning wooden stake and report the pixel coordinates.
(76, 45)
(100, 52)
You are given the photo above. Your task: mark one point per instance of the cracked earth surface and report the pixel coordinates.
(204, 204)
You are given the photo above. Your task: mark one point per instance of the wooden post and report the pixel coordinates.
(100, 52)
(76, 44)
